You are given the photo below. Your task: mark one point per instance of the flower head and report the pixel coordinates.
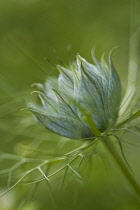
(83, 100)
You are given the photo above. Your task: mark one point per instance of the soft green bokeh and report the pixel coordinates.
(35, 35)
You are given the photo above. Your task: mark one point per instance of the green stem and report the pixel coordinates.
(122, 165)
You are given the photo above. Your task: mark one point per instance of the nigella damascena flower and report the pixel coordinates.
(82, 99)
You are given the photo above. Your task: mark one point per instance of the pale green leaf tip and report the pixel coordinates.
(79, 58)
(60, 68)
(38, 85)
(110, 55)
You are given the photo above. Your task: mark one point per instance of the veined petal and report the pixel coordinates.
(49, 104)
(114, 93)
(66, 108)
(50, 84)
(89, 98)
(90, 67)
(65, 81)
(68, 127)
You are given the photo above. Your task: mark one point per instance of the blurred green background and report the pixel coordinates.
(35, 35)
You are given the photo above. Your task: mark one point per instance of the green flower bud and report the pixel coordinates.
(81, 100)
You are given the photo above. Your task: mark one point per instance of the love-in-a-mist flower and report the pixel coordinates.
(84, 99)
